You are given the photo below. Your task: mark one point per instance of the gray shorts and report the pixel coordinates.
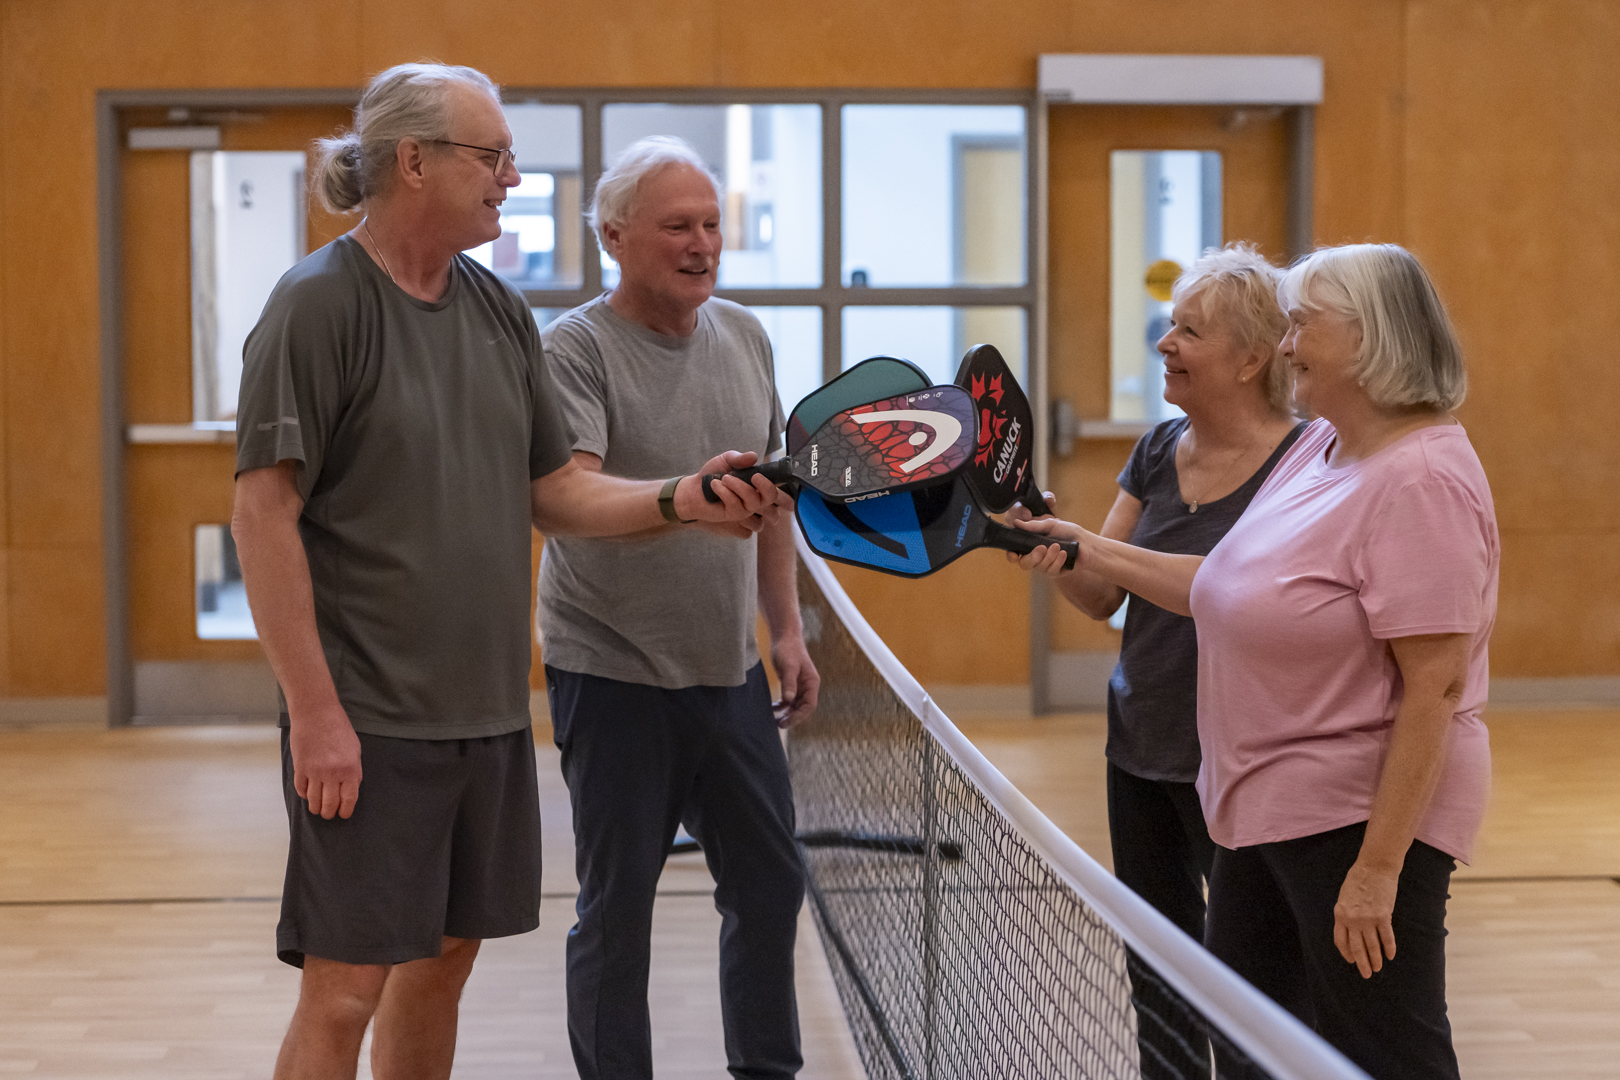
(444, 841)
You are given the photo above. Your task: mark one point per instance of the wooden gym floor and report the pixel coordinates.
(139, 871)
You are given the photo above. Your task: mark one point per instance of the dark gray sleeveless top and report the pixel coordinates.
(1153, 694)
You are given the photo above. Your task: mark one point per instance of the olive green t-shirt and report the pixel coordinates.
(417, 428)
(673, 608)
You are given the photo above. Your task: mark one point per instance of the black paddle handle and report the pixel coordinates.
(1022, 542)
(778, 472)
(1034, 499)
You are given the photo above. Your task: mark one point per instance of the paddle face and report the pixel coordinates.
(899, 442)
(909, 533)
(871, 379)
(1002, 469)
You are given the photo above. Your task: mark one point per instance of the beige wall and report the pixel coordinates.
(1482, 134)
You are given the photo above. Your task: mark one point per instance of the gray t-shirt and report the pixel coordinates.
(419, 427)
(673, 608)
(1153, 694)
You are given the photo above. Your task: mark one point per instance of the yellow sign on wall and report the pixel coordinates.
(1160, 277)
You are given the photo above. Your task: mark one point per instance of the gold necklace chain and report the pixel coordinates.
(365, 223)
(1192, 507)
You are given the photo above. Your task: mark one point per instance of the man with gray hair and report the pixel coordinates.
(658, 696)
(398, 433)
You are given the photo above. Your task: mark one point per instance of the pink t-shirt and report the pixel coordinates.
(1297, 690)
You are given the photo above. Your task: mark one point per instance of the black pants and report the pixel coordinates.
(1162, 850)
(639, 761)
(1271, 920)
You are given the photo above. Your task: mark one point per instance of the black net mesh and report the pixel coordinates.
(957, 951)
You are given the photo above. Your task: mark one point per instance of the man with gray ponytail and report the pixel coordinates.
(398, 433)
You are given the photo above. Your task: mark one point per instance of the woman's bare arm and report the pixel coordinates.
(1158, 578)
(1434, 671)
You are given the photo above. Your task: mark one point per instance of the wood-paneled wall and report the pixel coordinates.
(1481, 133)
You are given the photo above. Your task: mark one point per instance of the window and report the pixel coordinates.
(768, 159)
(933, 338)
(222, 606)
(920, 249)
(1165, 209)
(247, 229)
(542, 241)
(933, 195)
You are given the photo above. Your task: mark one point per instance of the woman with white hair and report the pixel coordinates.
(1186, 483)
(1342, 633)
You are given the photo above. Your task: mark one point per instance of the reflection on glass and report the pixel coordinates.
(934, 195)
(795, 334)
(1165, 209)
(222, 606)
(542, 232)
(247, 229)
(769, 159)
(935, 338)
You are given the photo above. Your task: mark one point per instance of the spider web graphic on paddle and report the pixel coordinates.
(929, 437)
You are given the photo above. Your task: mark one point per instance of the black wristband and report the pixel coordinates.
(666, 501)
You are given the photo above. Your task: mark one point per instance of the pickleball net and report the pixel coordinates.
(968, 936)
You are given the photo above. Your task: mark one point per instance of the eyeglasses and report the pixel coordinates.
(503, 158)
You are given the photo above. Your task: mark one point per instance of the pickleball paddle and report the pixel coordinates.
(892, 444)
(912, 533)
(873, 378)
(1002, 470)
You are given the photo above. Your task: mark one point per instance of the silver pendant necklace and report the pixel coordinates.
(365, 223)
(1192, 507)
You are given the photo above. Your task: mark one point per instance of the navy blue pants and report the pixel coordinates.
(639, 761)
(1271, 920)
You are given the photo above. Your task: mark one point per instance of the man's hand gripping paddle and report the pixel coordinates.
(1002, 470)
(892, 444)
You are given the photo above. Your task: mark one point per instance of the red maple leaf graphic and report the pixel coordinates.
(976, 387)
(995, 390)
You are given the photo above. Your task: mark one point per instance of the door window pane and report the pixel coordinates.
(768, 157)
(795, 334)
(934, 338)
(247, 229)
(542, 229)
(222, 606)
(1165, 209)
(934, 195)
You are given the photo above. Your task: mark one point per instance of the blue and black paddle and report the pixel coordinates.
(912, 533)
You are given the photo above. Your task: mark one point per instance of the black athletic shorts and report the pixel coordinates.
(444, 841)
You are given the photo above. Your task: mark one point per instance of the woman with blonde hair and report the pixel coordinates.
(1188, 480)
(1342, 631)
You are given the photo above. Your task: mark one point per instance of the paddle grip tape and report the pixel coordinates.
(1022, 543)
(779, 472)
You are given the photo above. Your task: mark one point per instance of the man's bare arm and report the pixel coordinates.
(779, 603)
(580, 500)
(325, 749)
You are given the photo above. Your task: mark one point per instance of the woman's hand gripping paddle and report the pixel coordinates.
(912, 533)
